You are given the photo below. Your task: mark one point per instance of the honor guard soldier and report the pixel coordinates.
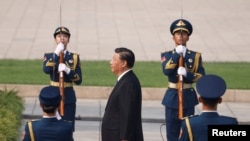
(210, 88)
(191, 70)
(49, 128)
(71, 71)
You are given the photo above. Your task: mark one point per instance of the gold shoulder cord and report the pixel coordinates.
(75, 61)
(190, 134)
(31, 131)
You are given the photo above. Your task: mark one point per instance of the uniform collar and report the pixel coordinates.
(49, 116)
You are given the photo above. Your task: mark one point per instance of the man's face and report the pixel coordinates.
(116, 64)
(180, 37)
(62, 38)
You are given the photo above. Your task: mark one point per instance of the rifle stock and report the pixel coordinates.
(61, 86)
(180, 91)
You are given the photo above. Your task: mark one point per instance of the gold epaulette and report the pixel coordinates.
(33, 120)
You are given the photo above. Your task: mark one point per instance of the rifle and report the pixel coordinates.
(61, 77)
(180, 90)
(61, 86)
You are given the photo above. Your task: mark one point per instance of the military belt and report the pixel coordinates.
(175, 85)
(56, 84)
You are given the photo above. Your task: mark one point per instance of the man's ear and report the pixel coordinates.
(220, 100)
(41, 105)
(200, 99)
(124, 64)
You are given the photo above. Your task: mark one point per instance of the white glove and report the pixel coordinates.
(63, 67)
(59, 48)
(182, 71)
(180, 49)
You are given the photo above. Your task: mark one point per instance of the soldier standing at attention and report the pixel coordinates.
(191, 71)
(71, 69)
(195, 128)
(48, 128)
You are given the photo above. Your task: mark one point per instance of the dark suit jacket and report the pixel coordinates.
(199, 125)
(50, 129)
(122, 117)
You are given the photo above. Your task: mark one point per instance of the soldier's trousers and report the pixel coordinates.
(173, 123)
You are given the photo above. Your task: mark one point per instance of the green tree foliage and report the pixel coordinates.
(11, 108)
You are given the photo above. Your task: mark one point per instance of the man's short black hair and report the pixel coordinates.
(126, 54)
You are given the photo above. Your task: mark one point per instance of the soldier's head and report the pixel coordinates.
(181, 29)
(211, 88)
(62, 35)
(49, 98)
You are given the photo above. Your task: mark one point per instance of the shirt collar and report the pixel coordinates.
(123, 74)
(49, 116)
(209, 111)
(184, 51)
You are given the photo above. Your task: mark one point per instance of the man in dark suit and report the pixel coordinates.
(122, 117)
(49, 128)
(195, 128)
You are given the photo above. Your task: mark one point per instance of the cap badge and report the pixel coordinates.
(180, 23)
(63, 29)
